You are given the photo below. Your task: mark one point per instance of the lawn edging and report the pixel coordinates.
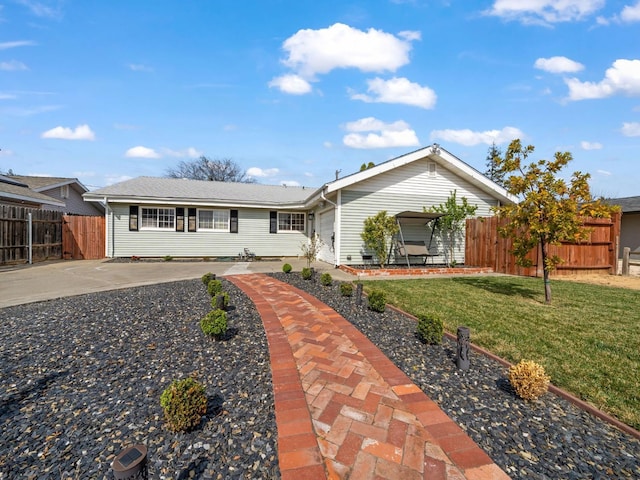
(587, 407)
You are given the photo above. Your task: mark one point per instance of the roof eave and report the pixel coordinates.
(26, 198)
(134, 199)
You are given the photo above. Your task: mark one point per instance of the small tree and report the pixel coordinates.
(550, 209)
(367, 166)
(377, 234)
(311, 248)
(452, 221)
(204, 168)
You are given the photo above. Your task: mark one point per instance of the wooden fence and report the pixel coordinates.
(83, 237)
(485, 247)
(46, 236)
(53, 235)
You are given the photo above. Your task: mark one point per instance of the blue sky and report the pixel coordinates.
(294, 90)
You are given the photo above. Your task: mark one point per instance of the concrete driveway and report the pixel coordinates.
(45, 281)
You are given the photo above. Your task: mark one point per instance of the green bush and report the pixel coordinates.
(184, 402)
(307, 273)
(325, 279)
(377, 301)
(346, 289)
(286, 268)
(214, 287)
(207, 277)
(430, 329)
(214, 323)
(167, 258)
(225, 300)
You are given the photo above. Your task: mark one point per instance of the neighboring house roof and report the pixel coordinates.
(46, 183)
(16, 191)
(178, 190)
(627, 204)
(436, 154)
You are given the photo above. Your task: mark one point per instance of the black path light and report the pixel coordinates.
(131, 464)
(462, 358)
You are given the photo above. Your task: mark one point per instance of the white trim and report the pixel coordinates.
(214, 229)
(337, 228)
(304, 222)
(141, 226)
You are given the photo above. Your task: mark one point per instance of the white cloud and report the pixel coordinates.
(622, 78)
(12, 66)
(470, 138)
(604, 173)
(590, 145)
(558, 65)
(292, 84)
(631, 13)
(17, 43)
(7, 96)
(188, 152)
(631, 129)
(40, 9)
(6, 153)
(312, 52)
(258, 172)
(382, 135)
(544, 11)
(81, 132)
(398, 90)
(138, 67)
(111, 179)
(141, 152)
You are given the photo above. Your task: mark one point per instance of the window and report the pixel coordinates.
(291, 222)
(213, 220)
(158, 218)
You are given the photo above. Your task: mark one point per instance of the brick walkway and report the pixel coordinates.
(343, 409)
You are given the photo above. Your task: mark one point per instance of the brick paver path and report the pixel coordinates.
(343, 409)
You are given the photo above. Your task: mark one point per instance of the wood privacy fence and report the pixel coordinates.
(485, 247)
(83, 237)
(53, 235)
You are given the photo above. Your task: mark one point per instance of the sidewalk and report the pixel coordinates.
(343, 409)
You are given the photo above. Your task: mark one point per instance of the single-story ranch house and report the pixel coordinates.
(156, 217)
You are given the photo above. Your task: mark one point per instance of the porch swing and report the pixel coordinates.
(415, 248)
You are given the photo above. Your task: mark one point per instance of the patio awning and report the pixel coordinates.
(409, 217)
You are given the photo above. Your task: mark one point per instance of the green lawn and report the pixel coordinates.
(588, 340)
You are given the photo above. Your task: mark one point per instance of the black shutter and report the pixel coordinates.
(192, 220)
(133, 218)
(273, 222)
(233, 224)
(179, 219)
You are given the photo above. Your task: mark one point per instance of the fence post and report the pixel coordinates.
(30, 239)
(625, 260)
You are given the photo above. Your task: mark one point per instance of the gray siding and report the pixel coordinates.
(630, 232)
(74, 203)
(406, 188)
(253, 233)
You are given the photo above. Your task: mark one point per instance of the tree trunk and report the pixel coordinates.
(545, 274)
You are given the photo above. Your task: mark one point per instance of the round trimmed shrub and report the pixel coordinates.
(377, 301)
(430, 329)
(207, 277)
(214, 287)
(184, 402)
(286, 268)
(346, 289)
(214, 323)
(307, 273)
(528, 379)
(325, 279)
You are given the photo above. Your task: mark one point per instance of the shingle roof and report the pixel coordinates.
(42, 183)
(628, 204)
(25, 194)
(168, 189)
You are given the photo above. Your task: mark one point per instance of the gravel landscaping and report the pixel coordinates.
(548, 439)
(81, 377)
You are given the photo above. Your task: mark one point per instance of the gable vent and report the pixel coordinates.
(431, 169)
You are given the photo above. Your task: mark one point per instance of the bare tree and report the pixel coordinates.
(204, 168)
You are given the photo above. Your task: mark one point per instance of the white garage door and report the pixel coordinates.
(325, 232)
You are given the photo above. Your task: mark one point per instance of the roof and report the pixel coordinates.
(178, 190)
(627, 204)
(19, 192)
(437, 154)
(45, 183)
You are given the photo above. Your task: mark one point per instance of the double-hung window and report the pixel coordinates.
(291, 222)
(214, 220)
(158, 218)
